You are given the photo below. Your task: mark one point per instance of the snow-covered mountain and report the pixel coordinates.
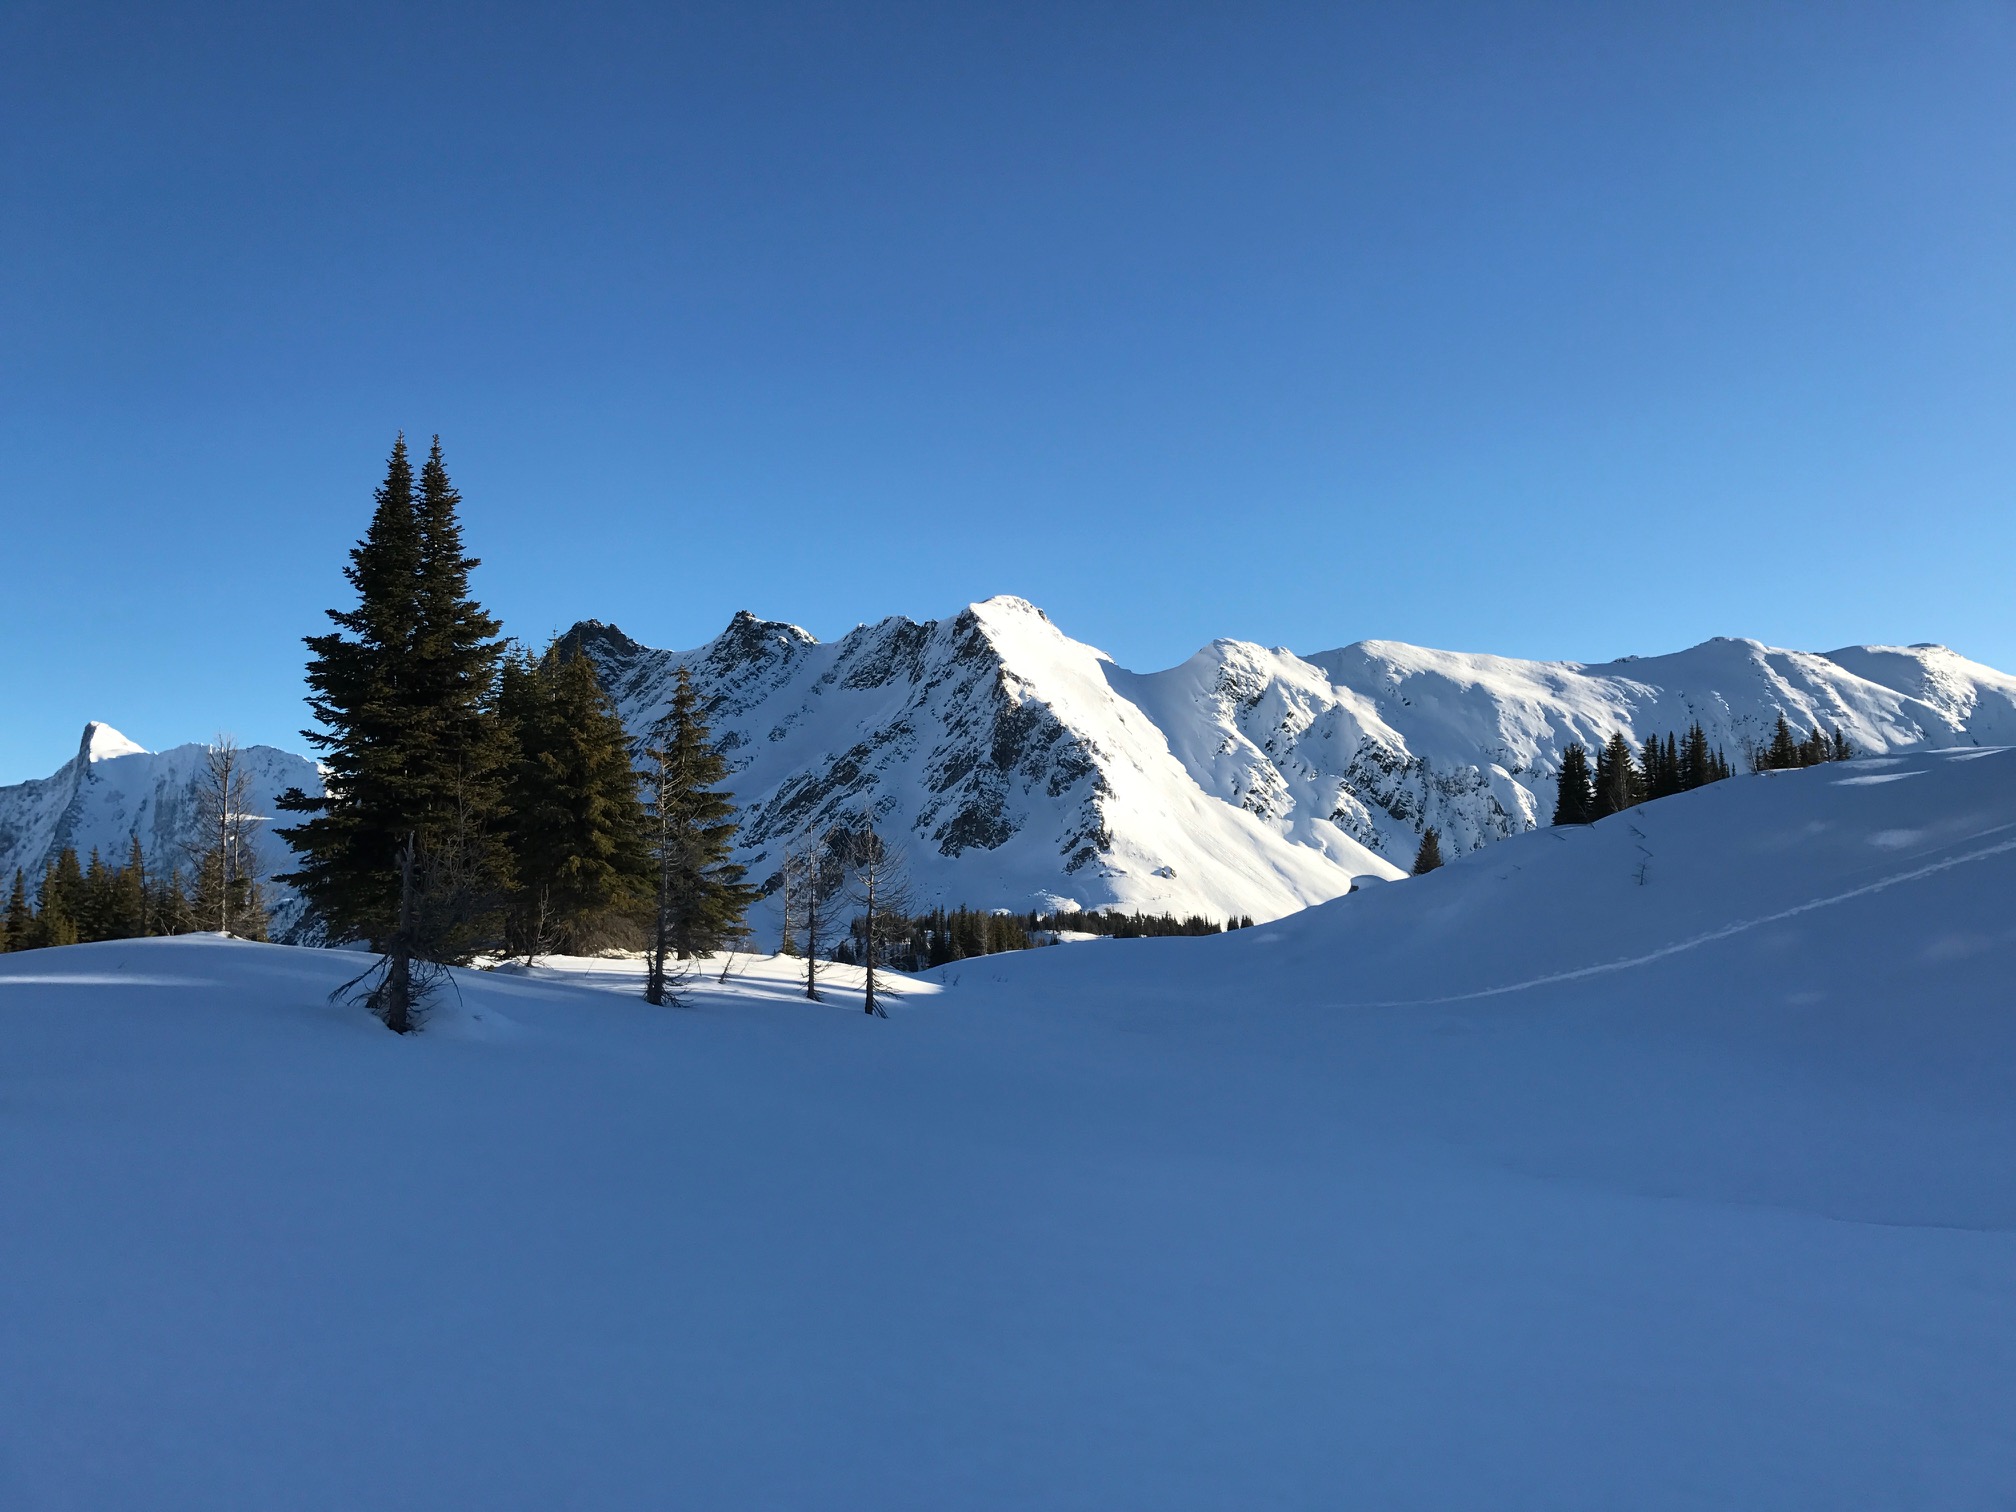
(114, 789)
(1021, 766)
(1024, 769)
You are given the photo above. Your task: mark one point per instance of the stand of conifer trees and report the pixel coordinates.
(944, 935)
(77, 904)
(480, 800)
(1621, 779)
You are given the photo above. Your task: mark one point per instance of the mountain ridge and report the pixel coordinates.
(1021, 768)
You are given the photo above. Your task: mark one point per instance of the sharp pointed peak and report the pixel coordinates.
(101, 743)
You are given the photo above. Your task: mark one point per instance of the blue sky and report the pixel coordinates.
(1553, 330)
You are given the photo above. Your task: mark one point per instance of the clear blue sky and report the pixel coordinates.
(1555, 330)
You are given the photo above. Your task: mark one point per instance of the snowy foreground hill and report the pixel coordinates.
(1659, 1164)
(1023, 768)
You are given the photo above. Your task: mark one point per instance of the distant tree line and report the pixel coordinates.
(1620, 778)
(941, 936)
(1787, 749)
(481, 799)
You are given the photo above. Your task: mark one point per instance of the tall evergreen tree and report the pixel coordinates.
(1783, 752)
(129, 901)
(1429, 856)
(701, 897)
(1697, 762)
(349, 870)
(59, 900)
(1619, 783)
(403, 849)
(1575, 800)
(20, 918)
(461, 859)
(575, 825)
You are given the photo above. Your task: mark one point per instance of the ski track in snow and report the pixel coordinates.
(1695, 942)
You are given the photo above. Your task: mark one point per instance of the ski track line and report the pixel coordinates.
(1694, 942)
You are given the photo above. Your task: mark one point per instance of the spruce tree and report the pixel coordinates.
(700, 895)
(20, 918)
(1619, 783)
(1429, 856)
(1783, 752)
(461, 860)
(349, 871)
(59, 901)
(1575, 800)
(403, 849)
(1697, 762)
(1841, 749)
(129, 903)
(575, 826)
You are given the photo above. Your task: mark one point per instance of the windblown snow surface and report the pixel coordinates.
(1665, 1163)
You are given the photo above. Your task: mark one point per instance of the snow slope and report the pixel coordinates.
(1659, 1164)
(114, 789)
(1021, 766)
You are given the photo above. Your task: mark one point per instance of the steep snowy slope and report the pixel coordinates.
(1379, 739)
(1020, 765)
(1661, 1164)
(113, 790)
(994, 746)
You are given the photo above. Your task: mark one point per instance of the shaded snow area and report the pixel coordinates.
(1665, 1163)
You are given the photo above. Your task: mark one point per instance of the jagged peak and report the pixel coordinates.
(101, 743)
(593, 632)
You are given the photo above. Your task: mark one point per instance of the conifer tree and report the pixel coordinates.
(59, 900)
(129, 902)
(94, 901)
(461, 862)
(1619, 783)
(1697, 762)
(1429, 856)
(700, 896)
(1575, 800)
(20, 917)
(575, 825)
(1783, 752)
(403, 849)
(1841, 749)
(350, 845)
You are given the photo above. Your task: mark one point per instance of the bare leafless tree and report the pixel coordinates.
(879, 885)
(813, 876)
(221, 843)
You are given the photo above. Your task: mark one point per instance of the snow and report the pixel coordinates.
(1659, 1163)
(1017, 764)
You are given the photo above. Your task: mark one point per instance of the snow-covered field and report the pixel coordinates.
(1668, 1163)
